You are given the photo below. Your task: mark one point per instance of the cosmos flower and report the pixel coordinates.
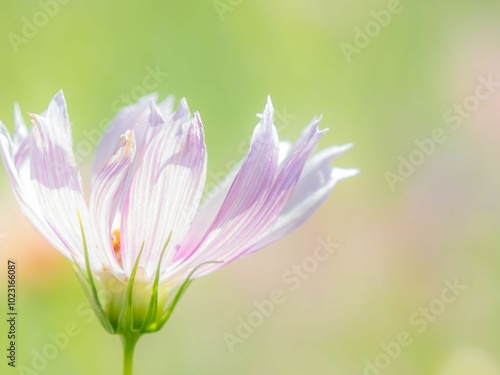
(144, 231)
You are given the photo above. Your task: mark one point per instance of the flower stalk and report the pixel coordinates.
(129, 343)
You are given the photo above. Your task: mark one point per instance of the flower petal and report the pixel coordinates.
(165, 191)
(106, 196)
(316, 183)
(24, 193)
(272, 204)
(21, 139)
(298, 189)
(21, 130)
(56, 178)
(238, 219)
(215, 198)
(129, 117)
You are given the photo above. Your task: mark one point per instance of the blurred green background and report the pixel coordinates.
(401, 242)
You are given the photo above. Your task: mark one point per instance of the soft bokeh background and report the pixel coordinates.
(399, 244)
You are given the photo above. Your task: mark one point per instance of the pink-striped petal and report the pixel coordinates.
(215, 198)
(166, 189)
(56, 179)
(316, 183)
(23, 191)
(106, 197)
(132, 117)
(272, 204)
(238, 218)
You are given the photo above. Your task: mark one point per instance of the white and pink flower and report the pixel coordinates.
(144, 226)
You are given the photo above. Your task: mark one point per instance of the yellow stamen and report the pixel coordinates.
(115, 242)
(128, 140)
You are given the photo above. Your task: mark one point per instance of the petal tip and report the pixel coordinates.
(343, 173)
(57, 110)
(182, 112)
(59, 98)
(268, 115)
(339, 150)
(197, 120)
(155, 116)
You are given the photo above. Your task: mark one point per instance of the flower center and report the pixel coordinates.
(115, 242)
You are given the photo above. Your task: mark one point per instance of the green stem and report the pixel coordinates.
(129, 342)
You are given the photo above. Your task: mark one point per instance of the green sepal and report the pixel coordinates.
(126, 319)
(92, 294)
(153, 305)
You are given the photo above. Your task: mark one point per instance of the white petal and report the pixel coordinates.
(24, 193)
(107, 195)
(165, 190)
(56, 179)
